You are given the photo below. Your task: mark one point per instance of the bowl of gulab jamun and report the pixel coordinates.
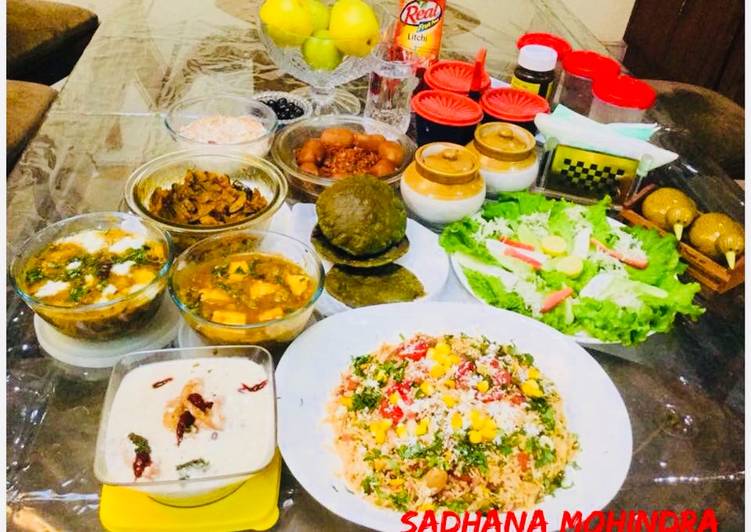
(317, 152)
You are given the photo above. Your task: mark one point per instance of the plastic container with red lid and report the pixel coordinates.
(580, 69)
(445, 116)
(559, 44)
(621, 99)
(453, 76)
(516, 106)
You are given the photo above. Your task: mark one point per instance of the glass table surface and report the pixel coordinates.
(683, 390)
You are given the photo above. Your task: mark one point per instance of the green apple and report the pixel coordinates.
(287, 22)
(354, 27)
(321, 52)
(319, 14)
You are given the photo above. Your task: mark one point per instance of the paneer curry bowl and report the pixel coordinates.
(246, 287)
(96, 276)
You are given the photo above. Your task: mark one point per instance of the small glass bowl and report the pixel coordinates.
(98, 321)
(270, 332)
(163, 171)
(189, 110)
(195, 491)
(293, 137)
(304, 103)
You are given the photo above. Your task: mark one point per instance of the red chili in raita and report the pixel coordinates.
(184, 425)
(198, 401)
(260, 386)
(159, 384)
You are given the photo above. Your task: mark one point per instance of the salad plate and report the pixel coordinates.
(311, 371)
(425, 258)
(571, 267)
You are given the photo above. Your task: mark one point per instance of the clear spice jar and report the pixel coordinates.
(621, 99)
(580, 69)
(507, 155)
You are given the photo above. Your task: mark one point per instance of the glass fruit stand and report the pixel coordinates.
(324, 46)
(683, 390)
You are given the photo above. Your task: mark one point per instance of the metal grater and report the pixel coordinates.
(590, 174)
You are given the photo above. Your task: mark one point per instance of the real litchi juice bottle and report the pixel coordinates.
(419, 29)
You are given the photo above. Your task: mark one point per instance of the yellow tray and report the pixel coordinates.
(253, 506)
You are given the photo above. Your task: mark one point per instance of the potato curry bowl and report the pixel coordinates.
(95, 276)
(316, 152)
(247, 287)
(193, 194)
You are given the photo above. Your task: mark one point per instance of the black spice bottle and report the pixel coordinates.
(535, 71)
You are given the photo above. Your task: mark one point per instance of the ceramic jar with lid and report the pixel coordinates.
(443, 184)
(507, 155)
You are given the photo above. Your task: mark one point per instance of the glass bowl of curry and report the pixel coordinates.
(96, 276)
(193, 194)
(247, 287)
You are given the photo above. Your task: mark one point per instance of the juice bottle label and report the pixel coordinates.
(420, 26)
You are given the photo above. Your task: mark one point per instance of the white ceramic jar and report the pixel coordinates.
(508, 156)
(443, 184)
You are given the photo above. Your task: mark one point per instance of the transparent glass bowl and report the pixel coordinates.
(288, 141)
(322, 83)
(270, 332)
(186, 111)
(195, 491)
(163, 171)
(99, 321)
(304, 103)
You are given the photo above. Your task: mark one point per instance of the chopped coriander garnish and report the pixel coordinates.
(141, 443)
(185, 469)
(368, 398)
(33, 275)
(358, 363)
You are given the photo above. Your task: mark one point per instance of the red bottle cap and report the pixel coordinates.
(447, 108)
(559, 44)
(514, 105)
(454, 76)
(590, 65)
(624, 91)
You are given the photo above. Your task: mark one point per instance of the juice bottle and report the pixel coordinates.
(419, 28)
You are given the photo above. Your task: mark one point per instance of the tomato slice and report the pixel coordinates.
(523, 460)
(413, 350)
(502, 377)
(517, 399)
(402, 388)
(494, 394)
(392, 412)
(464, 370)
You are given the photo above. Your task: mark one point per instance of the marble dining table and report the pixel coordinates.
(683, 390)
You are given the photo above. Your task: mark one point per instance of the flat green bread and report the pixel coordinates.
(338, 256)
(361, 288)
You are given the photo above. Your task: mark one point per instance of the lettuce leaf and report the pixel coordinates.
(515, 204)
(458, 238)
(491, 290)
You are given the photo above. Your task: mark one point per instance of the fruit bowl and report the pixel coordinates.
(325, 44)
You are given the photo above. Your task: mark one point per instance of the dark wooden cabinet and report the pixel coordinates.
(693, 41)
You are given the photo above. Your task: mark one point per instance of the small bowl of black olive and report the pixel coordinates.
(289, 108)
